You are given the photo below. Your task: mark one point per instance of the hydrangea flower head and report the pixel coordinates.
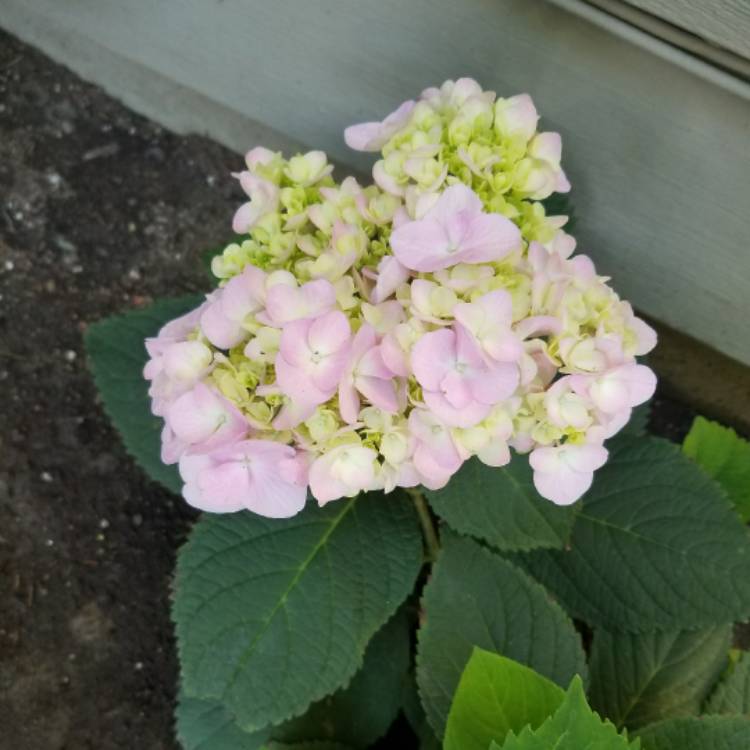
(378, 336)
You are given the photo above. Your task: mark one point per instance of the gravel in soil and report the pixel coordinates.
(100, 211)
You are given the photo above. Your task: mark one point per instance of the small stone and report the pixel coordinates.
(9, 265)
(104, 524)
(45, 476)
(70, 355)
(137, 519)
(49, 542)
(138, 666)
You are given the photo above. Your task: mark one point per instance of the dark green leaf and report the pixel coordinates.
(637, 679)
(273, 615)
(362, 712)
(698, 733)
(501, 506)
(638, 422)
(207, 725)
(732, 694)
(655, 546)
(574, 726)
(725, 456)
(494, 696)
(476, 598)
(416, 716)
(117, 355)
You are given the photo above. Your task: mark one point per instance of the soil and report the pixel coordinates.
(100, 211)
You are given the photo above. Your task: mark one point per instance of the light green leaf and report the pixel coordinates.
(574, 726)
(502, 507)
(725, 456)
(117, 355)
(273, 615)
(656, 545)
(494, 696)
(732, 694)
(477, 598)
(207, 725)
(362, 712)
(697, 733)
(637, 679)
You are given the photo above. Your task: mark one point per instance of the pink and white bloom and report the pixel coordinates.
(342, 472)
(391, 275)
(458, 384)
(263, 476)
(489, 320)
(516, 116)
(222, 320)
(264, 199)
(436, 456)
(285, 303)
(366, 374)
(313, 354)
(455, 230)
(619, 388)
(372, 136)
(564, 473)
(203, 419)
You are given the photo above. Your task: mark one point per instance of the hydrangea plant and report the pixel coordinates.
(379, 357)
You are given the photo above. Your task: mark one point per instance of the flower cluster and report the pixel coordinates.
(372, 337)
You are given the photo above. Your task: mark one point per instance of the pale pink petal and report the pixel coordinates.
(245, 218)
(329, 333)
(394, 356)
(220, 330)
(422, 246)
(297, 384)
(467, 416)
(380, 393)
(348, 401)
(285, 303)
(456, 199)
(372, 136)
(371, 364)
(432, 356)
(293, 345)
(490, 237)
(391, 274)
(496, 384)
(292, 414)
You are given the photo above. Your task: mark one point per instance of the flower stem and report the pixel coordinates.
(428, 527)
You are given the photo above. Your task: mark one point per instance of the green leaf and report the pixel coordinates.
(496, 695)
(273, 615)
(362, 712)
(574, 726)
(207, 725)
(637, 679)
(655, 546)
(698, 733)
(117, 355)
(305, 746)
(732, 694)
(477, 598)
(501, 506)
(415, 715)
(638, 423)
(725, 456)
